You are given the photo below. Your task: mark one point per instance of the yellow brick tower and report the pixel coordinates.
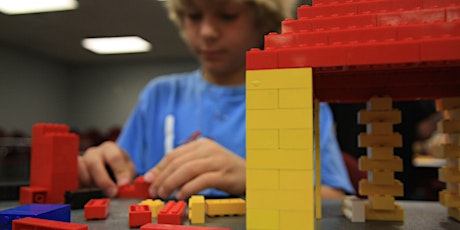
(450, 149)
(380, 162)
(279, 144)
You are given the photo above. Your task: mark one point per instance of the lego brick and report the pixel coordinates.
(295, 98)
(319, 55)
(263, 219)
(279, 159)
(452, 114)
(151, 226)
(274, 40)
(342, 22)
(296, 138)
(449, 199)
(292, 25)
(172, 213)
(296, 179)
(262, 139)
(139, 215)
(395, 189)
(445, 151)
(58, 212)
(452, 162)
(77, 199)
(411, 17)
(448, 126)
(262, 99)
(279, 78)
(155, 206)
(34, 194)
(449, 139)
(262, 179)
(371, 140)
(138, 189)
(381, 202)
(397, 214)
(447, 103)
(196, 212)
(273, 119)
(365, 53)
(43, 224)
(225, 207)
(256, 59)
(379, 104)
(97, 209)
(380, 153)
(281, 199)
(380, 128)
(308, 39)
(388, 6)
(448, 174)
(353, 208)
(366, 116)
(380, 177)
(289, 219)
(423, 31)
(454, 213)
(366, 164)
(453, 187)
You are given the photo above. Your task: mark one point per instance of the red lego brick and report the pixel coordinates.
(452, 14)
(172, 213)
(139, 189)
(440, 3)
(97, 209)
(411, 17)
(256, 59)
(177, 227)
(306, 11)
(292, 25)
(441, 49)
(274, 40)
(139, 215)
(30, 223)
(29, 195)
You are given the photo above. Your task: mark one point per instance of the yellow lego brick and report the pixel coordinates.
(262, 99)
(397, 214)
(380, 177)
(296, 179)
(283, 118)
(196, 209)
(381, 202)
(296, 98)
(353, 208)
(279, 78)
(380, 153)
(262, 219)
(371, 140)
(262, 199)
(446, 151)
(366, 164)
(453, 187)
(262, 139)
(290, 220)
(447, 103)
(262, 179)
(225, 207)
(296, 138)
(452, 114)
(379, 103)
(155, 205)
(280, 199)
(449, 199)
(448, 126)
(448, 139)
(379, 128)
(280, 159)
(454, 213)
(448, 174)
(392, 116)
(395, 189)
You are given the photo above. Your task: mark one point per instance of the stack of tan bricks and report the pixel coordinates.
(450, 150)
(380, 186)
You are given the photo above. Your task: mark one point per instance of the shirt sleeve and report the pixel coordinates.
(333, 170)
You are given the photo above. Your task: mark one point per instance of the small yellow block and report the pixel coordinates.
(296, 179)
(448, 174)
(283, 118)
(279, 78)
(196, 212)
(449, 199)
(225, 207)
(397, 214)
(155, 205)
(381, 202)
(262, 139)
(290, 220)
(366, 117)
(262, 179)
(296, 98)
(263, 219)
(279, 159)
(296, 138)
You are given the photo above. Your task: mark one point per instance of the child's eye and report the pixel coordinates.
(228, 17)
(194, 16)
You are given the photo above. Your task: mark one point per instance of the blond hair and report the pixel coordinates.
(268, 13)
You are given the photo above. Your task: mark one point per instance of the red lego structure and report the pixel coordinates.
(53, 166)
(30, 223)
(172, 213)
(176, 227)
(97, 209)
(139, 215)
(139, 189)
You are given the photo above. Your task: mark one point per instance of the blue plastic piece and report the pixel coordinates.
(58, 212)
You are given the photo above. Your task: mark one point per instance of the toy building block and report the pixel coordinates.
(32, 194)
(155, 206)
(397, 214)
(448, 103)
(353, 209)
(225, 207)
(77, 199)
(196, 209)
(172, 213)
(177, 227)
(97, 209)
(58, 212)
(139, 215)
(29, 223)
(139, 189)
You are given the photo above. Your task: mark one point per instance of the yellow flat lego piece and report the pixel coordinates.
(366, 116)
(379, 103)
(381, 202)
(155, 205)
(295, 98)
(397, 214)
(366, 164)
(262, 139)
(262, 99)
(283, 118)
(379, 128)
(371, 140)
(262, 179)
(279, 78)
(196, 212)
(296, 138)
(395, 189)
(447, 103)
(280, 199)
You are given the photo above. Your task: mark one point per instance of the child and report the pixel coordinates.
(210, 101)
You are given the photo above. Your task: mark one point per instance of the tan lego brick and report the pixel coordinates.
(395, 189)
(370, 140)
(381, 202)
(447, 103)
(452, 114)
(452, 162)
(454, 213)
(448, 126)
(380, 128)
(449, 199)
(397, 214)
(262, 99)
(453, 187)
(296, 138)
(262, 139)
(379, 103)
(380, 153)
(446, 151)
(279, 78)
(366, 164)
(295, 98)
(448, 139)
(380, 177)
(279, 119)
(366, 117)
(353, 208)
(448, 174)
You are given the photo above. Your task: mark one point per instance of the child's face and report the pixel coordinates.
(219, 32)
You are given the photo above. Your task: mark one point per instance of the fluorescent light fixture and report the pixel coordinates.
(116, 45)
(36, 6)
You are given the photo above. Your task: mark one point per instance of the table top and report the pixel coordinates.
(418, 215)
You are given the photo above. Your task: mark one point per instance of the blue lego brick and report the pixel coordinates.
(58, 212)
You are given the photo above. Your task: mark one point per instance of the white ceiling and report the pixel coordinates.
(57, 35)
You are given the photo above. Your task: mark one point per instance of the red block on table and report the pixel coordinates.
(172, 213)
(28, 195)
(177, 227)
(139, 215)
(97, 209)
(139, 189)
(30, 223)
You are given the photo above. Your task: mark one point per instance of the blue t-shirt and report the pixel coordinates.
(218, 112)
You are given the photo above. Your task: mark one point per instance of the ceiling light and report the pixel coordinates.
(116, 45)
(35, 6)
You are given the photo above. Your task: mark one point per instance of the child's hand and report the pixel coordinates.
(196, 166)
(92, 167)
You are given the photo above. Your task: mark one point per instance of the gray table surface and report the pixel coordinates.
(418, 215)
